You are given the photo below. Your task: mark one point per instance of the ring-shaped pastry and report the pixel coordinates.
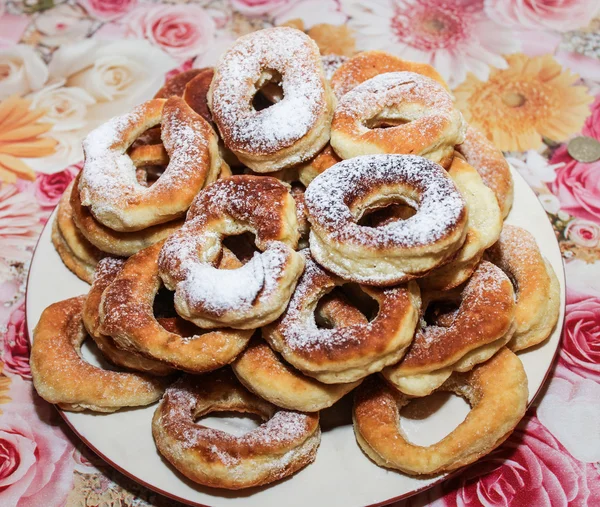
(290, 131)
(497, 392)
(107, 270)
(257, 292)
(491, 165)
(285, 442)
(343, 354)
(108, 184)
(483, 229)
(536, 286)
(483, 323)
(399, 250)
(418, 113)
(126, 315)
(61, 376)
(309, 170)
(368, 64)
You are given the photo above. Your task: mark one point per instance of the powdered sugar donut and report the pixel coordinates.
(400, 249)
(254, 294)
(418, 114)
(108, 183)
(290, 131)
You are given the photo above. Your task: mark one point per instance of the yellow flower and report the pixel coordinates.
(4, 388)
(20, 136)
(532, 98)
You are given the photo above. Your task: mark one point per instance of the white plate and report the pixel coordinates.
(341, 476)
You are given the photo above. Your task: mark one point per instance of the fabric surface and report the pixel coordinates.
(526, 72)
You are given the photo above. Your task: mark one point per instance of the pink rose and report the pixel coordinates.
(183, 30)
(259, 7)
(531, 468)
(577, 185)
(592, 124)
(583, 233)
(107, 10)
(49, 187)
(559, 15)
(580, 351)
(15, 350)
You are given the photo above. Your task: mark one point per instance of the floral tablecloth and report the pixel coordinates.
(525, 71)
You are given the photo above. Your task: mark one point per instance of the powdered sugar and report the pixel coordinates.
(331, 63)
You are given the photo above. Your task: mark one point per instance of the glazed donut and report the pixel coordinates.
(417, 110)
(126, 315)
(62, 377)
(400, 250)
(106, 272)
(483, 229)
(289, 132)
(491, 165)
(283, 444)
(108, 183)
(536, 286)
(309, 170)
(263, 372)
(256, 293)
(483, 323)
(368, 64)
(345, 354)
(497, 392)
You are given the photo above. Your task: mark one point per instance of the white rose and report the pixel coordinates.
(118, 75)
(62, 24)
(65, 106)
(67, 152)
(21, 71)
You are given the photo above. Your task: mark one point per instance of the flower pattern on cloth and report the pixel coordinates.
(525, 72)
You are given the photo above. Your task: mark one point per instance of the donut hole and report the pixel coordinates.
(91, 354)
(268, 90)
(330, 312)
(425, 421)
(243, 246)
(233, 423)
(441, 313)
(164, 304)
(383, 215)
(378, 122)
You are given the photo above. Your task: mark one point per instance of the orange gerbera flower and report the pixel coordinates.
(21, 136)
(531, 99)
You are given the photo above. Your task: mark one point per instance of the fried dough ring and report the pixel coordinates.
(254, 294)
(126, 314)
(62, 377)
(347, 354)
(309, 170)
(368, 64)
(400, 250)
(283, 444)
(497, 392)
(108, 183)
(482, 325)
(536, 286)
(290, 131)
(418, 111)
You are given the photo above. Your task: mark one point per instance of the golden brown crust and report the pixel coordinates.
(62, 377)
(282, 445)
(497, 392)
(127, 315)
(175, 86)
(77, 266)
(368, 64)
(310, 169)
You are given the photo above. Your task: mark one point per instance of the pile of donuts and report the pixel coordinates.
(267, 236)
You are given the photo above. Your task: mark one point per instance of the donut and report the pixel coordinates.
(344, 354)
(309, 170)
(108, 184)
(497, 392)
(127, 315)
(122, 244)
(482, 324)
(399, 250)
(192, 85)
(368, 64)
(491, 165)
(398, 112)
(107, 270)
(297, 192)
(175, 85)
(290, 131)
(536, 286)
(483, 229)
(63, 378)
(331, 63)
(262, 371)
(284, 443)
(257, 292)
